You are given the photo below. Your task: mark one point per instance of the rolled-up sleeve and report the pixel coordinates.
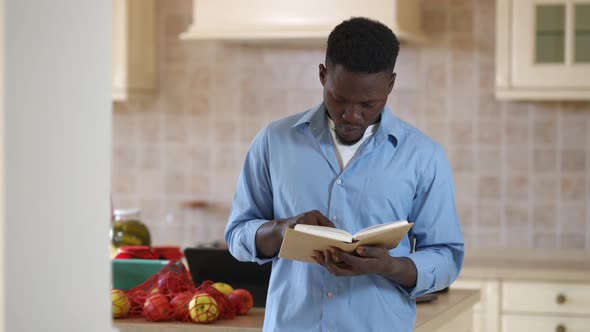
(252, 203)
(439, 241)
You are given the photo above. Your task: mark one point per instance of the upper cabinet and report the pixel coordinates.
(134, 49)
(543, 49)
(300, 21)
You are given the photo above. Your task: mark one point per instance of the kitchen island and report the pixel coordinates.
(451, 311)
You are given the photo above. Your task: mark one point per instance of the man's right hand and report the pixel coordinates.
(270, 235)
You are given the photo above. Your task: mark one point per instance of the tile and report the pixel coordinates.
(518, 111)
(198, 184)
(489, 132)
(516, 214)
(466, 215)
(123, 181)
(517, 132)
(124, 126)
(489, 187)
(150, 128)
(200, 158)
(489, 239)
(516, 187)
(545, 240)
(462, 159)
(461, 17)
(174, 183)
(517, 238)
(437, 130)
(545, 160)
(572, 241)
(545, 131)
(461, 133)
(149, 157)
(199, 128)
(573, 160)
(174, 157)
(546, 188)
(572, 217)
(434, 21)
(517, 159)
(465, 187)
(573, 130)
(488, 107)
(434, 105)
(489, 160)
(150, 183)
(544, 216)
(573, 188)
(490, 215)
(175, 128)
(124, 157)
(224, 159)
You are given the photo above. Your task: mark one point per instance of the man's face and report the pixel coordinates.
(354, 101)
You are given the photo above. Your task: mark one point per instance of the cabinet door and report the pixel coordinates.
(134, 49)
(551, 44)
(520, 323)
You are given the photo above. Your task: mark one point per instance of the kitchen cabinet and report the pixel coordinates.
(307, 22)
(529, 294)
(134, 49)
(543, 49)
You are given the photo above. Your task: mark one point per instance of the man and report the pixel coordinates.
(348, 163)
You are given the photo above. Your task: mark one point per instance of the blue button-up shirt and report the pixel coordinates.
(398, 173)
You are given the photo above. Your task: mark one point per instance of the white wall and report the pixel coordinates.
(2, 197)
(57, 165)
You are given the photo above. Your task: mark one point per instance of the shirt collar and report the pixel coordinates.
(390, 125)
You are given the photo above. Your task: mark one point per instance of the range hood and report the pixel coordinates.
(297, 21)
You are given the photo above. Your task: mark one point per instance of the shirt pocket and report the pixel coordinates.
(386, 198)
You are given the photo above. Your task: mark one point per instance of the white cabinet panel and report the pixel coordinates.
(541, 48)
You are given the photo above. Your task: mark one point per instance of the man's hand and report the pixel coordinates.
(314, 217)
(270, 235)
(368, 260)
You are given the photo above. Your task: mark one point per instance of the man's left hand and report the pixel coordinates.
(365, 260)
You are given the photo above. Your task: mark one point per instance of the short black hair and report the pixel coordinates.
(362, 45)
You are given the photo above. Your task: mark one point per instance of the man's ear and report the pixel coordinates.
(391, 83)
(322, 74)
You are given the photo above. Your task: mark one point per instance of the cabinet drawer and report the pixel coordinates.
(520, 323)
(531, 297)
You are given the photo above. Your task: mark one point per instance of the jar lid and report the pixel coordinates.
(126, 212)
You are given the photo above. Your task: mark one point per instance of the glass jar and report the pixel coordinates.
(127, 229)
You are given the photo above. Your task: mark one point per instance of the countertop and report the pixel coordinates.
(569, 266)
(429, 317)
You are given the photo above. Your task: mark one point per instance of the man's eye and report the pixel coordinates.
(368, 105)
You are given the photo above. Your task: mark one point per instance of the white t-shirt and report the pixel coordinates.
(344, 153)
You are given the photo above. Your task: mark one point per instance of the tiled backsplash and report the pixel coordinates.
(522, 169)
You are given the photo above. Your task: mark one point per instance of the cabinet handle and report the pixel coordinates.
(560, 299)
(560, 328)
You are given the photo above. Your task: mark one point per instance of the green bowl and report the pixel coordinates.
(128, 273)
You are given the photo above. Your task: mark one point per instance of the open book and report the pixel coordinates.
(299, 243)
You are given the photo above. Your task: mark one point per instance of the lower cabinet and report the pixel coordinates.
(529, 305)
(549, 323)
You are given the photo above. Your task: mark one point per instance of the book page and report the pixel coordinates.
(363, 233)
(329, 232)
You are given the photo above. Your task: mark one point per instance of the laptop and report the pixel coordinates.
(220, 266)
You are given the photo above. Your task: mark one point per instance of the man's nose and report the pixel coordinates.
(352, 112)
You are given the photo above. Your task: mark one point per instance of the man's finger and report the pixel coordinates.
(370, 251)
(321, 219)
(333, 267)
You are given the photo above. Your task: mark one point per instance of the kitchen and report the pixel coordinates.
(519, 157)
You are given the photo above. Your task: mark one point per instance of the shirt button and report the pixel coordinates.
(339, 181)
(330, 294)
(334, 218)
